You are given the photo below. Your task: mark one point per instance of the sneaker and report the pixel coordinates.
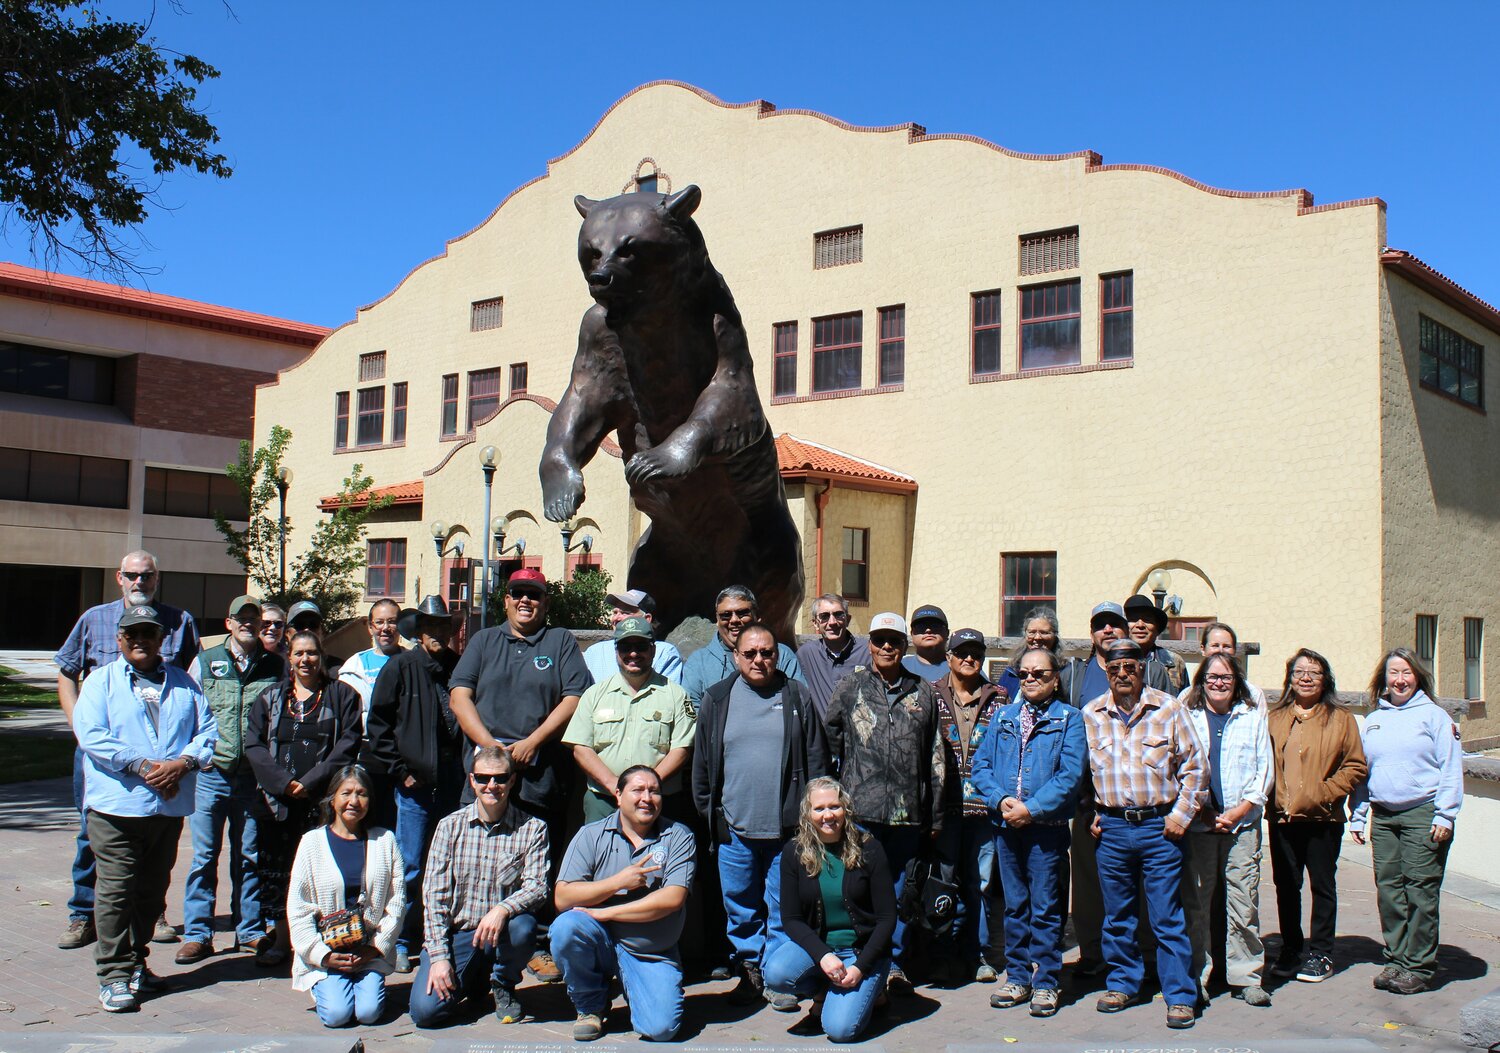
(783, 1001)
(751, 987)
(985, 974)
(116, 997)
(1285, 968)
(1044, 1001)
(144, 979)
(1383, 981)
(543, 969)
(588, 1027)
(164, 933)
(508, 1009)
(1253, 995)
(79, 933)
(1180, 1017)
(403, 961)
(1405, 983)
(1315, 968)
(1010, 994)
(897, 983)
(1114, 1001)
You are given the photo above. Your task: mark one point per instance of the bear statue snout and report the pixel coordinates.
(598, 279)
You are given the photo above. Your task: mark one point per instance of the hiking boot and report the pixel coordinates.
(1315, 968)
(1406, 983)
(1010, 994)
(1114, 1001)
(1180, 1016)
(751, 987)
(1383, 981)
(588, 1027)
(164, 933)
(1253, 995)
(543, 969)
(897, 983)
(116, 997)
(79, 933)
(1044, 1001)
(508, 1008)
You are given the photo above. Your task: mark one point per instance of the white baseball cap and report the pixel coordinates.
(890, 622)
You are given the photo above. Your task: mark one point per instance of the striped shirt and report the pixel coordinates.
(474, 866)
(1147, 757)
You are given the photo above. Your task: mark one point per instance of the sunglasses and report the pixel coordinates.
(524, 594)
(272, 626)
(490, 780)
(831, 616)
(738, 612)
(633, 647)
(887, 643)
(758, 652)
(1123, 669)
(137, 575)
(1035, 674)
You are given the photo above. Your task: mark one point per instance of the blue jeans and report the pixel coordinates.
(474, 969)
(82, 903)
(750, 878)
(967, 842)
(589, 958)
(417, 813)
(846, 1011)
(343, 998)
(223, 799)
(1033, 865)
(901, 844)
(1131, 852)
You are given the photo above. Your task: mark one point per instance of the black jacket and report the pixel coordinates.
(411, 729)
(804, 753)
(869, 897)
(340, 728)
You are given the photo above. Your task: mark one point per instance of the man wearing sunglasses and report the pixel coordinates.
(516, 687)
(486, 876)
(91, 645)
(833, 653)
(735, 610)
(634, 716)
(632, 603)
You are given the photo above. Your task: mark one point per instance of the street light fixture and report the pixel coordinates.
(568, 529)
(283, 480)
(487, 458)
(1159, 581)
(439, 535)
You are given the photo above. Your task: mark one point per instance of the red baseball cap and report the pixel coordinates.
(528, 576)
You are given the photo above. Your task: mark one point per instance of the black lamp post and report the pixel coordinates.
(283, 480)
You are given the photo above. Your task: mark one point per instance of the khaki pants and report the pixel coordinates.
(1232, 860)
(1408, 878)
(135, 855)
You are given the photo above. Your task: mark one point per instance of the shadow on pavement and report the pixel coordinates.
(46, 804)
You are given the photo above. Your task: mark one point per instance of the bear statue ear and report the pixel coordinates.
(583, 204)
(683, 203)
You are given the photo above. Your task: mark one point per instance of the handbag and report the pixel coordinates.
(342, 929)
(929, 895)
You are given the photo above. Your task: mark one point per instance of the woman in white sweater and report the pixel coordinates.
(345, 865)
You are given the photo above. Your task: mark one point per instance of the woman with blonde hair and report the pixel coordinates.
(838, 908)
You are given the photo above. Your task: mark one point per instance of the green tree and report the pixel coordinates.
(328, 571)
(576, 604)
(93, 115)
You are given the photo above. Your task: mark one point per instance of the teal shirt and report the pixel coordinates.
(840, 928)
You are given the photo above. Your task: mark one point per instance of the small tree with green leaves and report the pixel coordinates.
(328, 572)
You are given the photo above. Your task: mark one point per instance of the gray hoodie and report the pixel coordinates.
(1415, 759)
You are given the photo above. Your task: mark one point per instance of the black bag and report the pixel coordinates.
(929, 896)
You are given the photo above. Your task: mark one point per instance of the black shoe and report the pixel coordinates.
(508, 1008)
(1315, 968)
(751, 988)
(897, 983)
(1285, 968)
(721, 972)
(1406, 983)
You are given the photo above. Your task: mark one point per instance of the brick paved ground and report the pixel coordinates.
(44, 990)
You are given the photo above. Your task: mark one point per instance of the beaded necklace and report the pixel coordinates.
(308, 706)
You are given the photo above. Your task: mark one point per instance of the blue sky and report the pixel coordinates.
(365, 135)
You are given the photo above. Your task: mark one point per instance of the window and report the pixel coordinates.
(370, 428)
(398, 412)
(1056, 250)
(892, 345)
(1473, 657)
(484, 394)
(486, 314)
(459, 575)
(984, 337)
(836, 350)
(856, 576)
(1116, 309)
(835, 248)
(1049, 325)
(64, 479)
(1427, 629)
(341, 420)
(372, 367)
(51, 374)
(579, 562)
(204, 596)
(1451, 363)
(450, 406)
(646, 184)
(1029, 580)
(385, 568)
(784, 365)
(193, 495)
(518, 375)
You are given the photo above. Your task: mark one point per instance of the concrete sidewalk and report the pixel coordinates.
(47, 991)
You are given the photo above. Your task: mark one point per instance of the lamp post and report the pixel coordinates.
(487, 458)
(1159, 581)
(586, 543)
(283, 480)
(498, 527)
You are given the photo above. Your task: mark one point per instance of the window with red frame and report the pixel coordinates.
(892, 345)
(581, 561)
(518, 376)
(837, 344)
(984, 337)
(855, 579)
(484, 394)
(1116, 314)
(341, 420)
(450, 406)
(398, 412)
(784, 365)
(1029, 579)
(1050, 325)
(370, 427)
(385, 568)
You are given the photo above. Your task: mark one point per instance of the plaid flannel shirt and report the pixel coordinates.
(474, 866)
(1147, 757)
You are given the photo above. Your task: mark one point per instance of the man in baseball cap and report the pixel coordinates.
(929, 641)
(600, 657)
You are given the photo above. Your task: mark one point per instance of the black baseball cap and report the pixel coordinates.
(929, 613)
(140, 615)
(970, 637)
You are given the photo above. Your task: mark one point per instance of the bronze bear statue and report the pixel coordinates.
(663, 362)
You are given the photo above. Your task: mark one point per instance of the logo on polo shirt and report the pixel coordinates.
(543, 662)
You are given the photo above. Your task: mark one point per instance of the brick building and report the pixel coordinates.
(118, 411)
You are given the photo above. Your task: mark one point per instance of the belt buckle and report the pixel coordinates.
(1136, 815)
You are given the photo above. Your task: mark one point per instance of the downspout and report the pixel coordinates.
(820, 502)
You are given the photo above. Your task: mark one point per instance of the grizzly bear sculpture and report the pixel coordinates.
(663, 362)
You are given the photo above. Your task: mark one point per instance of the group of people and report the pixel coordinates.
(530, 808)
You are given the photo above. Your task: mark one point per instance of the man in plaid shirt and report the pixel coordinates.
(486, 875)
(1150, 773)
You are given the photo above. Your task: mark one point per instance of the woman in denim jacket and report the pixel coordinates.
(1029, 770)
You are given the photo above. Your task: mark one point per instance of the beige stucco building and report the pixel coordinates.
(1000, 377)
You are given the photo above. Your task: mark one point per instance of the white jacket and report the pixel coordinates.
(317, 888)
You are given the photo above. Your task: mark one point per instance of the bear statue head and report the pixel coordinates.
(641, 248)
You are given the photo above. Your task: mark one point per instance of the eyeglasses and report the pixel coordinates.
(758, 652)
(1035, 674)
(489, 779)
(524, 594)
(272, 626)
(831, 616)
(1123, 668)
(738, 612)
(968, 656)
(137, 575)
(1307, 674)
(1219, 680)
(887, 643)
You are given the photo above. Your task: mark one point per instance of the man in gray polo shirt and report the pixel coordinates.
(621, 898)
(834, 653)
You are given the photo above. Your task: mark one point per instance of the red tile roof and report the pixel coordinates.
(403, 494)
(1441, 286)
(30, 283)
(801, 460)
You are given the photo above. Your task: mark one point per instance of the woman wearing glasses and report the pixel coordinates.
(1029, 770)
(1223, 843)
(1318, 761)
